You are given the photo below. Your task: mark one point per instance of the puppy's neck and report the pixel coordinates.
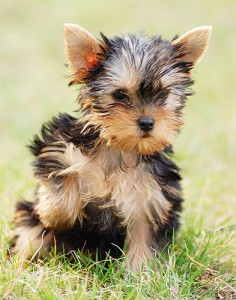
(115, 159)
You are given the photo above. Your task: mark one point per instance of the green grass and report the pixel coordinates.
(202, 262)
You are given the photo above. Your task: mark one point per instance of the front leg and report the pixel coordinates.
(67, 181)
(139, 243)
(59, 206)
(58, 203)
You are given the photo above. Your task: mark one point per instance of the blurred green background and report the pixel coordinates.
(33, 88)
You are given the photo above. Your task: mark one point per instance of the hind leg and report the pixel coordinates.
(31, 238)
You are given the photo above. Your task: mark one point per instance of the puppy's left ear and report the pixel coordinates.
(192, 46)
(81, 49)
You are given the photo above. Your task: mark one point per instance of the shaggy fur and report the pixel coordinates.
(107, 177)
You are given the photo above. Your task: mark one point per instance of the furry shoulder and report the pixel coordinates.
(64, 128)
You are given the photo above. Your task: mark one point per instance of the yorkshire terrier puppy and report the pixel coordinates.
(107, 176)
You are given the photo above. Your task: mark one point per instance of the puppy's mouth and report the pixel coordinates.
(145, 135)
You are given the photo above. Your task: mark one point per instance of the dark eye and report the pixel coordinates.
(120, 95)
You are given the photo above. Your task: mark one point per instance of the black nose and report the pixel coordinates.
(146, 123)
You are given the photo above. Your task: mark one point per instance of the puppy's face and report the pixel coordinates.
(135, 88)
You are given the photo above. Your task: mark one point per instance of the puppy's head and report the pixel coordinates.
(134, 88)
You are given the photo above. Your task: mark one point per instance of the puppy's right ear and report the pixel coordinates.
(81, 50)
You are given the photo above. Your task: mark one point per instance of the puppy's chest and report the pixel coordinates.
(131, 184)
(126, 184)
(119, 176)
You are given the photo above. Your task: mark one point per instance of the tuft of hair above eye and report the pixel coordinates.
(121, 96)
(163, 94)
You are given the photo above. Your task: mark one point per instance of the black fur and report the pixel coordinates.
(94, 233)
(154, 57)
(167, 173)
(100, 234)
(102, 228)
(67, 128)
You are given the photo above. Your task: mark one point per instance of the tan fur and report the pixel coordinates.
(138, 240)
(124, 76)
(136, 193)
(133, 191)
(57, 210)
(81, 49)
(113, 172)
(60, 208)
(32, 240)
(137, 196)
(194, 43)
(119, 128)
